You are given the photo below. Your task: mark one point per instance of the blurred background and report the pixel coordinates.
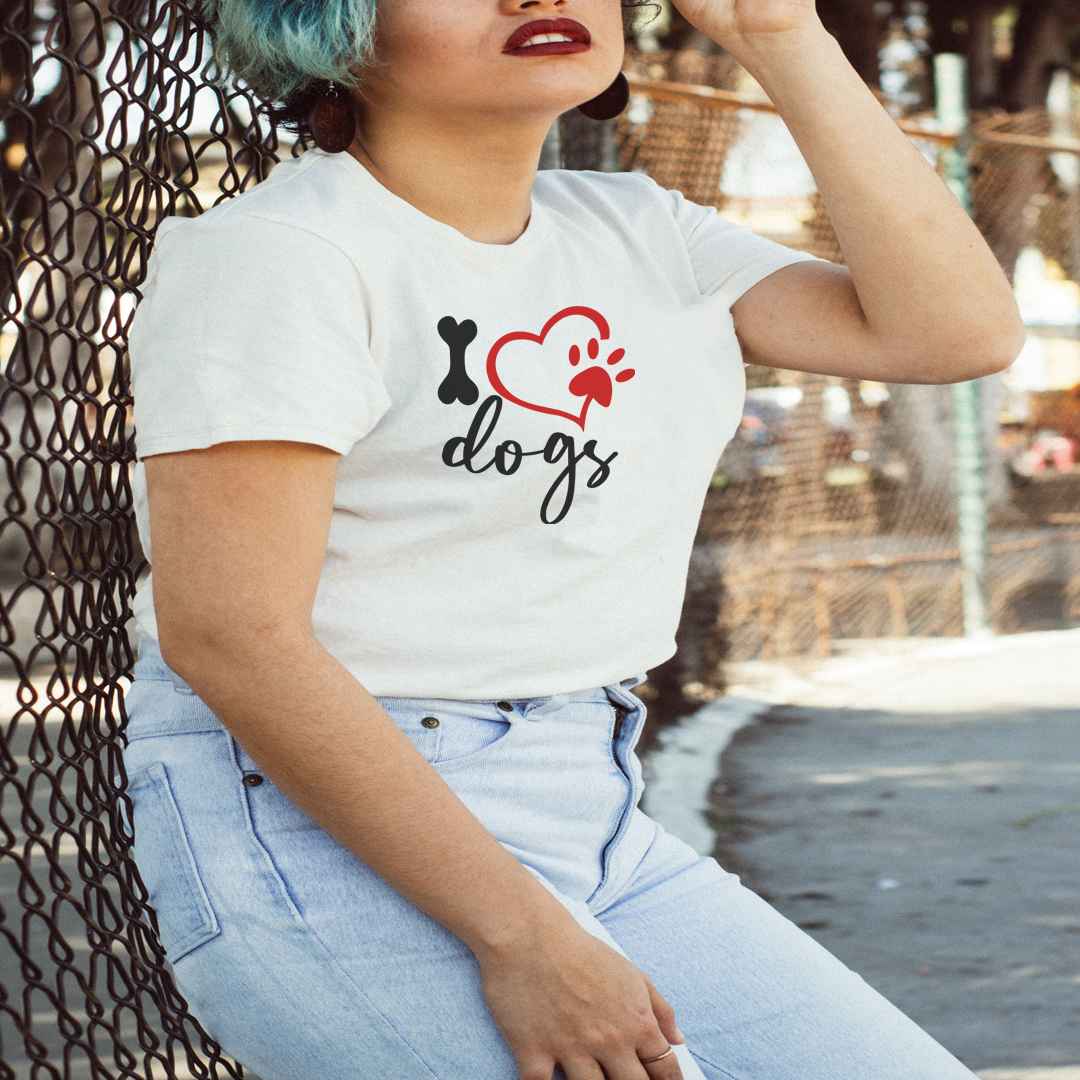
(874, 712)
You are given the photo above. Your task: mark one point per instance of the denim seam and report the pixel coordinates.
(155, 776)
(629, 884)
(712, 1064)
(285, 990)
(607, 854)
(763, 1018)
(303, 924)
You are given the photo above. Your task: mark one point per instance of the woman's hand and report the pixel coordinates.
(746, 23)
(565, 997)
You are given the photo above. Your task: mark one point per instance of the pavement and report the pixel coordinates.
(914, 805)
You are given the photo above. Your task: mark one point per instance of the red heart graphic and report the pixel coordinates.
(593, 388)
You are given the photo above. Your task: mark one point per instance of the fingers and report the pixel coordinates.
(629, 1066)
(617, 1053)
(630, 1063)
(625, 1062)
(667, 1068)
(590, 1069)
(664, 1013)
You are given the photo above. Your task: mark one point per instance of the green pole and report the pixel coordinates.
(950, 80)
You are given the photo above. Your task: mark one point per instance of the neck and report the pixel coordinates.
(477, 178)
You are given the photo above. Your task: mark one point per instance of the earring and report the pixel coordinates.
(332, 120)
(609, 102)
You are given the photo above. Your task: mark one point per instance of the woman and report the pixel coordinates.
(423, 438)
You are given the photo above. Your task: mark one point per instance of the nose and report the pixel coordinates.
(535, 8)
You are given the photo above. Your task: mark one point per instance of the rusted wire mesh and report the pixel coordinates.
(112, 120)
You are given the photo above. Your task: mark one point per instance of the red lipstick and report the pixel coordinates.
(571, 28)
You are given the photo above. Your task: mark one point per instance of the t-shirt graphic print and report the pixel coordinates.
(537, 365)
(527, 431)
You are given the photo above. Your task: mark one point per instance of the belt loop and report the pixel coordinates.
(535, 704)
(619, 695)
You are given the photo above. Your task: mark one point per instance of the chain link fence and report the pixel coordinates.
(830, 515)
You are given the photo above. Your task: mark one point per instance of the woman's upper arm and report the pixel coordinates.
(807, 317)
(252, 375)
(239, 537)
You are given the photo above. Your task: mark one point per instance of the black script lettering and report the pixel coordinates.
(470, 446)
(512, 448)
(601, 474)
(558, 446)
(509, 454)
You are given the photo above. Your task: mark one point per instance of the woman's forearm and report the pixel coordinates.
(923, 272)
(332, 750)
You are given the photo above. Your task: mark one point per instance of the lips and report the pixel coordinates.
(570, 27)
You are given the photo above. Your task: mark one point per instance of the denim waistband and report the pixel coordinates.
(150, 665)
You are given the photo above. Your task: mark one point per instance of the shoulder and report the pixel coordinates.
(247, 261)
(629, 206)
(624, 191)
(293, 214)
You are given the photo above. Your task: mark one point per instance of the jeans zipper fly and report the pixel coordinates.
(620, 715)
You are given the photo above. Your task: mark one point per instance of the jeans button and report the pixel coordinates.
(252, 779)
(505, 706)
(430, 721)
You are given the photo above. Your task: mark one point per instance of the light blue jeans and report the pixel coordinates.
(302, 962)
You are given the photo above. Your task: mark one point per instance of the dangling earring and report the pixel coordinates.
(332, 120)
(609, 102)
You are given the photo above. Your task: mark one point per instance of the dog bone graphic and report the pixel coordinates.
(457, 386)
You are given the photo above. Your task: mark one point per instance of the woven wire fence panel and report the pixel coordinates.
(112, 119)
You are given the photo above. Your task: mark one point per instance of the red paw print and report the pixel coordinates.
(593, 383)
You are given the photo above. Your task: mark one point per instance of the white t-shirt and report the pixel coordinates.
(528, 430)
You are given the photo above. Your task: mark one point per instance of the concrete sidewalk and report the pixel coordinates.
(915, 806)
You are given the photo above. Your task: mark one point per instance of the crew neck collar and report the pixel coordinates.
(441, 232)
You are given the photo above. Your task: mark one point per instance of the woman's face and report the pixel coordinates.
(447, 61)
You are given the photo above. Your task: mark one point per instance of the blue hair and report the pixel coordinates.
(278, 46)
(289, 50)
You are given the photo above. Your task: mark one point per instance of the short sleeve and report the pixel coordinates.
(250, 328)
(728, 258)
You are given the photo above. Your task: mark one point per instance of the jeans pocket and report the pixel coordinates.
(166, 863)
(448, 733)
